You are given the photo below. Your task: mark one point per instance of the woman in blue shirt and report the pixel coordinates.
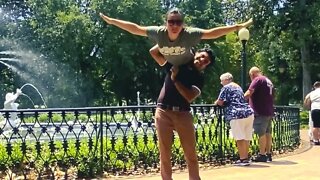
(175, 40)
(238, 113)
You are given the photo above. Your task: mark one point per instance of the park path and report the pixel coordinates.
(300, 165)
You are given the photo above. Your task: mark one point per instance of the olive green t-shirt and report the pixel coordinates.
(176, 52)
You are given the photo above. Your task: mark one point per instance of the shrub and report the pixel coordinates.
(304, 117)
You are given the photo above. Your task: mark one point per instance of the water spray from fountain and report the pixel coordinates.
(9, 59)
(31, 85)
(33, 105)
(8, 65)
(8, 53)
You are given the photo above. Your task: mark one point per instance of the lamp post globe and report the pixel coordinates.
(244, 34)
(244, 37)
(282, 69)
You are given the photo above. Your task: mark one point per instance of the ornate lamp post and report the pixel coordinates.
(244, 37)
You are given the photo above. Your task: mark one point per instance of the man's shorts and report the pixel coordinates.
(315, 116)
(262, 125)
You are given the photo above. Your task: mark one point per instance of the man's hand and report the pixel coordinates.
(174, 72)
(105, 18)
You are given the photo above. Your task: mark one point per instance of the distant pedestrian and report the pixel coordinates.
(307, 106)
(312, 100)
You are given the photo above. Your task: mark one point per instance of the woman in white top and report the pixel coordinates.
(313, 98)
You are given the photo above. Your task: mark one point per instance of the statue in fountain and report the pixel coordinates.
(10, 100)
(10, 104)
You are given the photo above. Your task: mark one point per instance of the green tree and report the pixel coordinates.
(126, 56)
(287, 27)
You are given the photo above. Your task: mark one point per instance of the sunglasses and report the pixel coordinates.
(175, 22)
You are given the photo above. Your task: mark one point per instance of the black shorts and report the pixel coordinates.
(315, 116)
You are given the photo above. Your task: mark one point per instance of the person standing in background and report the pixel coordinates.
(312, 100)
(239, 114)
(307, 106)
(261, 99)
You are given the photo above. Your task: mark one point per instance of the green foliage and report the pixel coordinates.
(304, 117)
(85, 158)
(76, 59)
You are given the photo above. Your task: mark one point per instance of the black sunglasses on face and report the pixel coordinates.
(175, 22)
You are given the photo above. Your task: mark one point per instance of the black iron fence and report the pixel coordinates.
(84, 142)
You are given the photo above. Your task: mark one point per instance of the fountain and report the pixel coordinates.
(10, 104)
(14, 60)
(40, 70)
(11, 123)
(26, 65)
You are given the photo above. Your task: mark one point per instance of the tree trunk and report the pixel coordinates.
(305, 58)
(305, 52)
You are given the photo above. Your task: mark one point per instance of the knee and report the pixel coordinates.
(192, 159)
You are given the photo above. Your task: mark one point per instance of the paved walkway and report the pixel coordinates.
(303, 164)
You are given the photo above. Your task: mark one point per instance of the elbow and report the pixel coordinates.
(153, 55)
(152, 52)
(195, 92)
(220, 103)
(191, 98)
(246, 96)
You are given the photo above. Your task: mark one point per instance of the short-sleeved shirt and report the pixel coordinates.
(261, 99)
(315, 99)
(236, 106)
(179, 51)
(187, 76)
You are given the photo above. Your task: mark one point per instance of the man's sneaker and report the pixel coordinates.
(242, 162)
(260, 158)
(269, 157)
(317, 143)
